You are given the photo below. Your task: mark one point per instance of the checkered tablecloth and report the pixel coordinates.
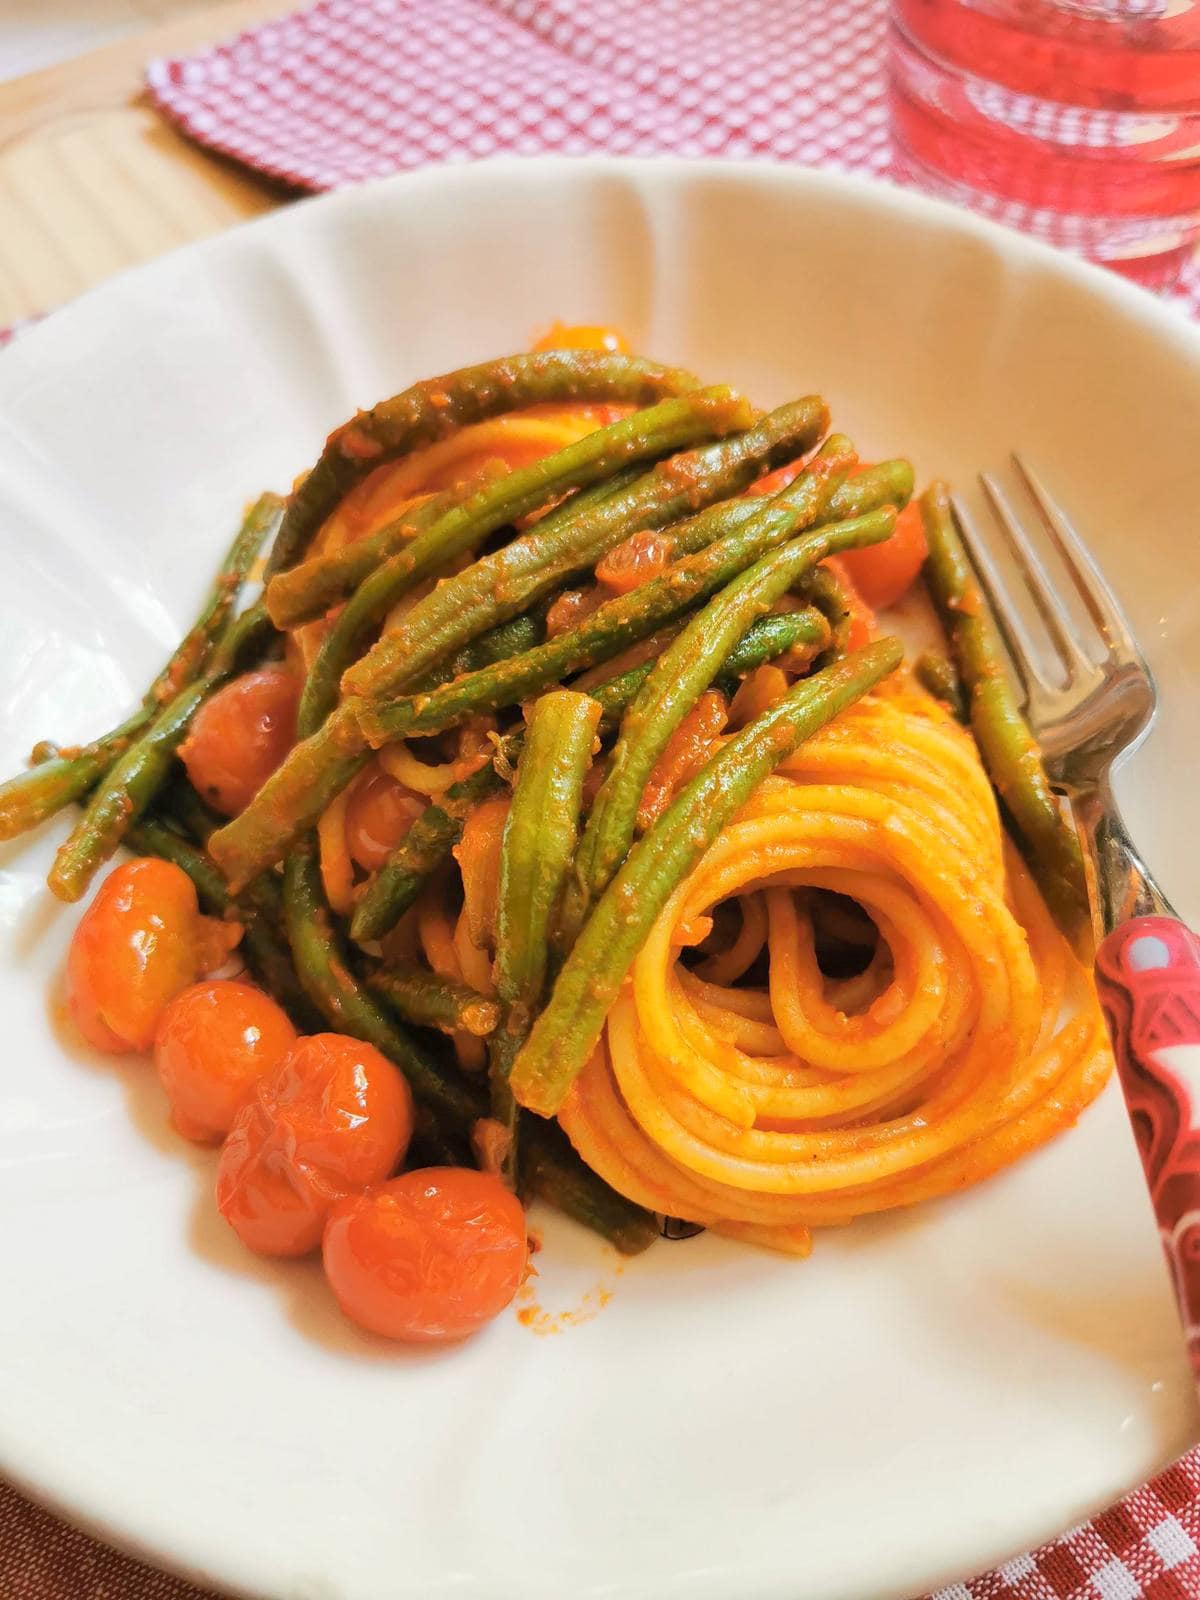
(352, 89)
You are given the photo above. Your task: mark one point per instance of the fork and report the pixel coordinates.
(1147, 960)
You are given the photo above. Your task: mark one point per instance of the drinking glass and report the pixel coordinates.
(1077, 120)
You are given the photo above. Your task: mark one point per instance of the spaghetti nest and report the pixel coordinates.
(765, 1108)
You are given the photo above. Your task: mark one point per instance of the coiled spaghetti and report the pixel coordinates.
(970, 1038)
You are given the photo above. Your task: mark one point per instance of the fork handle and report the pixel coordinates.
(1148, 981)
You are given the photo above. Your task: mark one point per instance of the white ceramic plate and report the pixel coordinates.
(932, 1391)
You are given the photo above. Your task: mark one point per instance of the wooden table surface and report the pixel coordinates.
(93, 180)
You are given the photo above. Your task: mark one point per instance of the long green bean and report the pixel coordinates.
(488, 592)
(680, 675)
(551, 1171)
(428, 1001)
(1010, 752)
(439, 827)
(305, 592)
(436, 407)
(535, 855)
(572, 539)
(567, 1029)
(66, 775)
(134, 779)
(590, 461)
(937, 674)
(617, 624)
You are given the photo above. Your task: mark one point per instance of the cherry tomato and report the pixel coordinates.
(581, 336)
(214, 1041)
(379, 813)
(430, 1256)
(862, 618)
(333, 1117)
(884, 572)
(138, 944)
(240, 736)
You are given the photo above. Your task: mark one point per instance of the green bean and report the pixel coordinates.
(303, 593)
(552, 1171)
(590, 461)
(937, 675)
(323, 966)
(66, 775)
(765, 639)
(770, 637)
(568, 1027)
(888, 483)
(428, 1001)
(436, 407)
(680, 675)
(489, 591)
(1010, 752)
(266, 954)
(499, 643)
(617, 624)
(572, 539)
(134, 779)
(535, 855)
(439, 827)
(823, 589)
(181, 804)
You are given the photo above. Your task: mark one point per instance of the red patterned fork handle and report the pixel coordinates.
(1148, 980)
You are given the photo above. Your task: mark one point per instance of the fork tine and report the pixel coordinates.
(1003, 614)
(1093, 588)
(1076, 663)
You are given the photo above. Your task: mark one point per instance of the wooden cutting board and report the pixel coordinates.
(91, 178)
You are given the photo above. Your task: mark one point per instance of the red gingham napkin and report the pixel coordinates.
(353, 89)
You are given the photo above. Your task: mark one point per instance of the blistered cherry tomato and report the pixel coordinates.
(430, 1256)
(333, 1117)
(379, 813)
(214, 1041)
(884, 572)
(138, 944)
(581, 336)
(240, 736)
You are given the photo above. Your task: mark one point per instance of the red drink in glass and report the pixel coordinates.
(1078, 120)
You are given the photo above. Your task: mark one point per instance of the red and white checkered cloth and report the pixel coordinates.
(353, 89)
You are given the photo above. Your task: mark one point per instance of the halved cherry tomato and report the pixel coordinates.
(581, 336)
(428, 1257)
(240, 736)
(862, 618)
(379, 813)
(214, 1041)
(138, 944)
(333, 1117)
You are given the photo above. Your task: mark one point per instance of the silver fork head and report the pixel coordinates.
(1102, 700)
